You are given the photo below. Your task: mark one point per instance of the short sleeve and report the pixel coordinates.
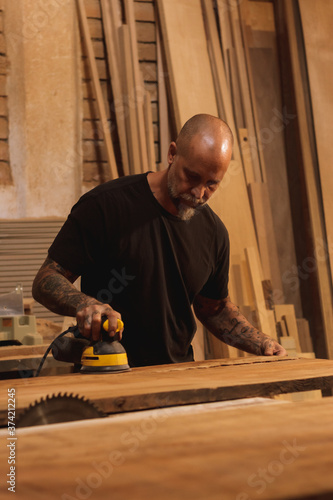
(80, 241)
(217, 285)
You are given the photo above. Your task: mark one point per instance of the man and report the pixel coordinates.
(147, 248)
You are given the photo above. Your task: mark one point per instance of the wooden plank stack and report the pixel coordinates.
(118, 129)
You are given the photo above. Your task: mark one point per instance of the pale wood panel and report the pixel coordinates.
(208, 454)
(317, 20)
(185, 46)
(262, 214)
(231, 203)
(266, 317)
(286, 312)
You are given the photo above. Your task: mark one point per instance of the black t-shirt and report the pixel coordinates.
(146, 263)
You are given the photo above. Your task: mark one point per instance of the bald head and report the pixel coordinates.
(212, 132)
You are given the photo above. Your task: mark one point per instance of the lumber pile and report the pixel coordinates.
(215, 73)
(123, 120)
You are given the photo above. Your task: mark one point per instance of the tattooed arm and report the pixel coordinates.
(223, 319)
(53, 287)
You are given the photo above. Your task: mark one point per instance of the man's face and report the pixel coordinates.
(192, 180)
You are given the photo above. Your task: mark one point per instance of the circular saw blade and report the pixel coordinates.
(58, 408)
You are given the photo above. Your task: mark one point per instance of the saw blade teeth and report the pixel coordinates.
(59, 408)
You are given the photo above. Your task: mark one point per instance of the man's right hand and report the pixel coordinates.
(53, 287)
(89, 319)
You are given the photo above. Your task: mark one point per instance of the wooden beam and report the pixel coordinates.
(191, 81)
(129, 100)
(208, 452)
(317, 21)
(178, 384)
(245, 91)
(262, 214)
(149, 132)
(163, 106)
(138, 88)
(266, 317)
(221, 87)
(114, 64)
(286, 312)
(317, 224)
(98, 91)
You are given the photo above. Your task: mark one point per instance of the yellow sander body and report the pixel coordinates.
(106, 355)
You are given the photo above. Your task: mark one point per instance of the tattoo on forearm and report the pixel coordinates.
(226, 322)
(53, 287)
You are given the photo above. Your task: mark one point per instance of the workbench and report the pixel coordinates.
(179, 431)
(281, 450)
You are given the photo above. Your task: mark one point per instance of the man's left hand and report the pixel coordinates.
(272, 348)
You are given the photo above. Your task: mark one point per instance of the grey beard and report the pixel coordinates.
(184, 212)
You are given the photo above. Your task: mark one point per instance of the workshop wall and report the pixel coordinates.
(42, 88)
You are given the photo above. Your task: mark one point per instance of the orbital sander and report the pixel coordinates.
(106, 355)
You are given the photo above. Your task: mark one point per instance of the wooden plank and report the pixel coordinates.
(93, 8)
(163, 112)
(149, 133)
(248, 105)
(261, 16)
(113, 64)
(98, 92)
(323, 269)
(130, 115)
(246, 155)
(262, 214)
(147, 51)
(184, 455)
(274, 120)
(138, 88)
(170, 385)
(244, 8)
(144, 11)
(145, 448)
(317, 21)
(266, 317)
(145, 32)
(191, 81)
(220, 80)
(289, 343)
(225, 34)
(239, 220)
(287, 312)
(304, 335)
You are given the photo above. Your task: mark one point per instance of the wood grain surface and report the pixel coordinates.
(189, 71)
(278, 451)
(178, 384)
